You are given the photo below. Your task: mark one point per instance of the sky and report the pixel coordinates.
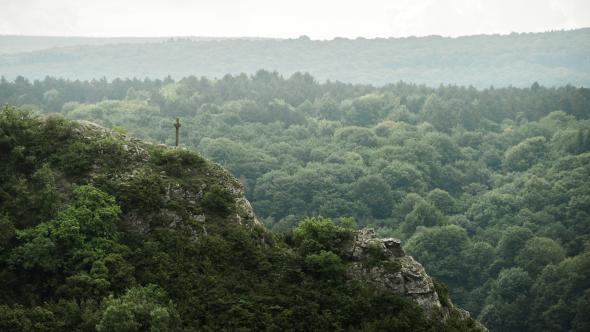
(318, 19)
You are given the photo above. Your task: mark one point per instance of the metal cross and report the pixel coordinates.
(177, 126)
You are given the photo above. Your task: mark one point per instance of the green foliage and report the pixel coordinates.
(7, 232)
(135, 247)
(96, 211)
(375, 193)
(539, 252)
(175, 162)
(391, 266)
(441, 249)
(525, 154)
(472, 179)
(376, 256)
(513, 283)
(356, 136)
(442, 201)
(479, 257)
(77, 159)
(423, 214)
(348, 223)
(314, 235)
(139, 309)
(218, 199)
(18, 318)
(512, 241)
(375, 252)
(91, 217)
(325, 265)
(142, 192)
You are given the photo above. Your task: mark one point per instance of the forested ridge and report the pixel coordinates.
(102, 232)
(489, 189)
(553, 58)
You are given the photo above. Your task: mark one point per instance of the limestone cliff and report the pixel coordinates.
(383, 264)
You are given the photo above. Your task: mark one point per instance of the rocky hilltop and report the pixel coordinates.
(101, 231)
(181, 179)
(381, 263)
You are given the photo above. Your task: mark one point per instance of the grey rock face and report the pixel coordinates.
(383, 264)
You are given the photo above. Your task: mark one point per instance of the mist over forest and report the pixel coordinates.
(520, 59)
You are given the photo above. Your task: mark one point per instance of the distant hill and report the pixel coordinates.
(11, 44)
(21, 44)
(550, 58)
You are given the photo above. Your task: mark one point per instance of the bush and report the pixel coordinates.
(325, 265)
(218, 200)
(176, 161)
(140, 309)
(77, 159)
(143, 192)
(314, 235)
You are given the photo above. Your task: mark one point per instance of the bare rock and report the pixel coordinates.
(383, 264)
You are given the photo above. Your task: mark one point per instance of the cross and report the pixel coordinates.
(177, 126)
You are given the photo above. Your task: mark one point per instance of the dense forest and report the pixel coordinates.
(100, 231)
(489, 189)
(550, 58)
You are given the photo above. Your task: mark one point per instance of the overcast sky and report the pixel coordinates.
(318, 19)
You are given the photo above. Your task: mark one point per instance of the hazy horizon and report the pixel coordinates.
(280, 38)
(269, 19)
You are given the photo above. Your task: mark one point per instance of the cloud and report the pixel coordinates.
(38, 17)
(273, 18)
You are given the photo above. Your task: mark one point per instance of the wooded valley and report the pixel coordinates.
(488, 188)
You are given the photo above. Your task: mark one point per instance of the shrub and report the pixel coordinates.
(175, 161)
(325, 265)
(312, 235)
(218, 200)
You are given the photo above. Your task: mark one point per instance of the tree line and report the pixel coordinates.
(553, 58)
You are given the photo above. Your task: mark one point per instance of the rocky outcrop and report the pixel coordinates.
(180, 206)
(383, 264)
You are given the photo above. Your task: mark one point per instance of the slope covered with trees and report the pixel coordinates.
(488, 188)
(99, 231)
(551, 58)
